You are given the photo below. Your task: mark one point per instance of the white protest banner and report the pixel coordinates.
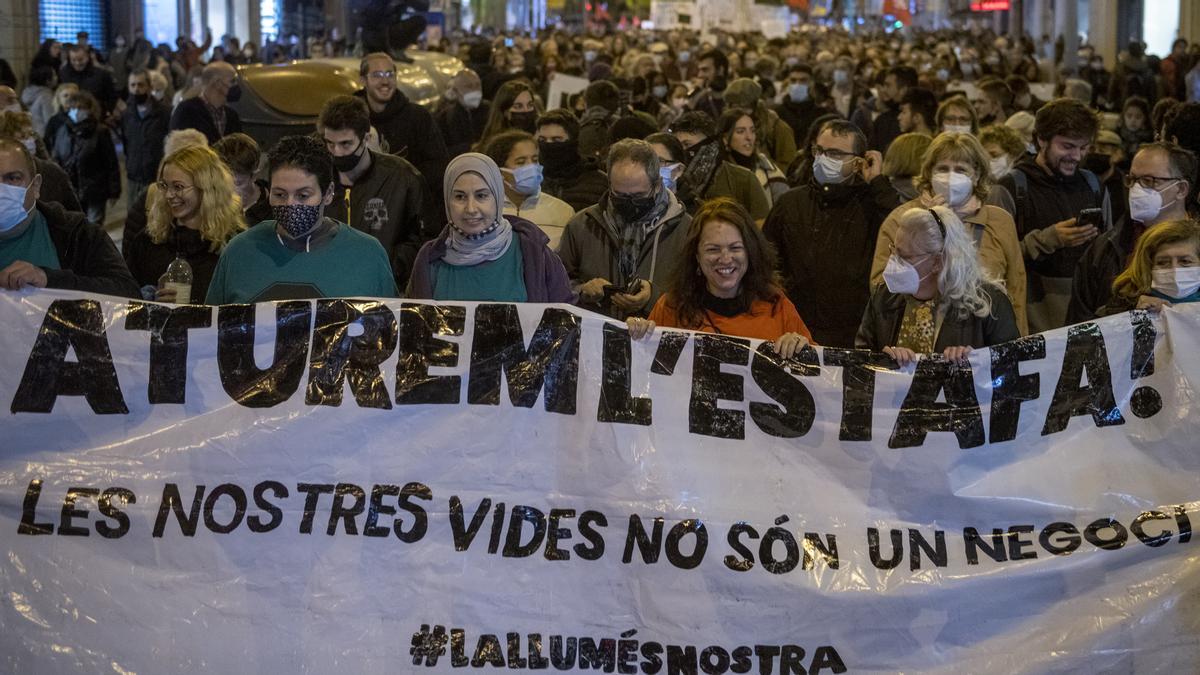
(561, 88)
(371, 487)
(673, 14)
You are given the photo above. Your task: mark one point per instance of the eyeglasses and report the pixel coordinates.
(1148, 182)
(382, 75)
(833, 153)
(174, 190)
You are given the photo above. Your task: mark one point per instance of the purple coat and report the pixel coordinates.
(545, 278)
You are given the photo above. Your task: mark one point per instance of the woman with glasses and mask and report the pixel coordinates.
(936, 298)
(1164, 270)
(483, 254)
(955, 174)
(193, 213)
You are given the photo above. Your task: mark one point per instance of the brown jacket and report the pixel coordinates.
(999, 252)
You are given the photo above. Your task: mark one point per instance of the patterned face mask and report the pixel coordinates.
(297, 219)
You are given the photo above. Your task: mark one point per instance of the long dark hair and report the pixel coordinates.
(505, 96)
(687, 287)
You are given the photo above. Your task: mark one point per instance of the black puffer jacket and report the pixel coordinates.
(144, 138)
(825, 236)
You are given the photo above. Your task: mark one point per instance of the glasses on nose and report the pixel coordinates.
(382, 75)
(832, 153)
(174, 190)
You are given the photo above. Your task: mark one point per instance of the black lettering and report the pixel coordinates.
(552, 358)
(936, 553)
(313, 492)
(77, 325)
(238, 495)
(814, 548)
(338, 356)
(741, 660)
(110, 511)
(280, 491)
(794, 415)
(243, 380)
(791, 660)
(746, 562)
(514, 652)
(420, 518)
(681, 660)
(1009, 387)
(586, 530)
(858, 388)
(1016, 545)
(464, 535)
(172, 502)
(710, 385)
(340, 511)
(1060, 546)
(1139, 531)
(555, 534)
(488, 651)
(974, 543)
(29, 524)
(617, 402)
(714, 660)
(1092, 534)
(1085, 355)
(420, 350)
(649, 545)
(513, 548)
(66, 522)
(921, 412)
(826, 657)
(562, 659)
(168, 326)
(372, 528)
(675, 554)
(873, 549)
(600, 657)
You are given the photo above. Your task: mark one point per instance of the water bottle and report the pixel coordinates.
(179, 278)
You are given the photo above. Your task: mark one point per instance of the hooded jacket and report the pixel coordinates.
(411, 133)
(88, 259)
(825, 236)
(86, 152)
(590, 246)
(386, 202)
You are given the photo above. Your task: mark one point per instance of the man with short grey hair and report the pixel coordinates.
(619, 253)
(209, 111)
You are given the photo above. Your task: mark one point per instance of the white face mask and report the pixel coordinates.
(956, 128)
(1145, 204)
(472, 99)
(827, 170)
(999, 166)
(1176, 282)
(954, 187)
(901, 277)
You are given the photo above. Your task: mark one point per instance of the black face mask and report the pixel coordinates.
(632, 209)
(1097, 163)
(235, 93)
(140, 99)
(346, 163)
(558, 157)
(523, 120)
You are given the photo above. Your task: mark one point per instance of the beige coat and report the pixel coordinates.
(999, 252)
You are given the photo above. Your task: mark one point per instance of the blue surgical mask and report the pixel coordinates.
(527, 179)
(827, 170)
(659, 91)
(77, 115)
(668, 172)
(12, 206)
(798, 93)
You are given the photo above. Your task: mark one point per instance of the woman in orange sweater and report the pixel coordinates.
(726, 283)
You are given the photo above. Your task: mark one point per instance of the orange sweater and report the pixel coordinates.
(764, 321)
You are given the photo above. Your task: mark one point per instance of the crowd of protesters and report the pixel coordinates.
(914, 193)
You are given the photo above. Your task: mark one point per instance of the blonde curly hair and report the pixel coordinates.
(220, 207)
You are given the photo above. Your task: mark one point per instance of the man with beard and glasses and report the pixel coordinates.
(380, 194)
(825, 232)
(301, 253)
(1049, 191)
(620, 252)
(576, 180)
(144, 126)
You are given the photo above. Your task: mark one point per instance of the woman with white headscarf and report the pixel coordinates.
(482, 254)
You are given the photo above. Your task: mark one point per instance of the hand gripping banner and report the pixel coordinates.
(365, 486)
